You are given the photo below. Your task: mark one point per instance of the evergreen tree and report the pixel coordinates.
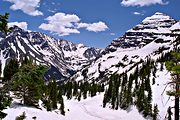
(174, 67)
(2, 115)
(21, 117)
(93, 89)
(161, 68)
(79, 96)
(85, 90)
(136, 76)
(69, 90)
(102, 87)
(154, 70)
(105, 99)
(5, 100)
(129, 90)
(75, 90)
(53, 93)
(155, 112)
(153, 81)
(140, 97)
(48, 105)
(62, 107)
(10, 69)
(4, 23)
(28, 83)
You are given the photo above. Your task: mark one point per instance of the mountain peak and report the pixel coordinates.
(159, 13)
(157, 17)
(14, 28)
(145, 32)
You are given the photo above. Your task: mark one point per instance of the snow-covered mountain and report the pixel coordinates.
(63, 57)
(151, 38)
(145, 32)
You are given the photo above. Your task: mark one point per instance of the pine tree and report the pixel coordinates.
(69, 90)
(4, 23)
(75, 90)
(28, 83)
(5, 100)
(2, 115)
(153, 81)
(105, 99)
(155, 112)
(62, 107)
(53, 95)
(174, 67)
(129, 90)
(79, 96)
(93, 89)
(140, 97)
(10, 69)
(48, 105)
(161, 68)
(102, 87)
(21, 117)
(136, 77)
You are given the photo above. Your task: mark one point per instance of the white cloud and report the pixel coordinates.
(112, 34)
(137, 13)
(27, 6)
(22, 25)
(141, 3)
(61, 23)
(94, 27)
(65, 24)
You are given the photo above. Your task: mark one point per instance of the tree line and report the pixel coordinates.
(134, 89)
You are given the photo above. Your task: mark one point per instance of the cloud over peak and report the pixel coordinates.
(27, 6)
(65, 24)
(142, 3)
(22, 25)
(61, 23)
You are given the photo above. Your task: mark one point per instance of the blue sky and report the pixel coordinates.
(91, 22)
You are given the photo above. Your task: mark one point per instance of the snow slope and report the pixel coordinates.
(159, 93)
(107, 63)
(88, 109)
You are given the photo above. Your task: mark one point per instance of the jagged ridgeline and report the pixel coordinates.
(64, 58)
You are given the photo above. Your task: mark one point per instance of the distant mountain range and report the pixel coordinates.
(78, 61)
(63, 57)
